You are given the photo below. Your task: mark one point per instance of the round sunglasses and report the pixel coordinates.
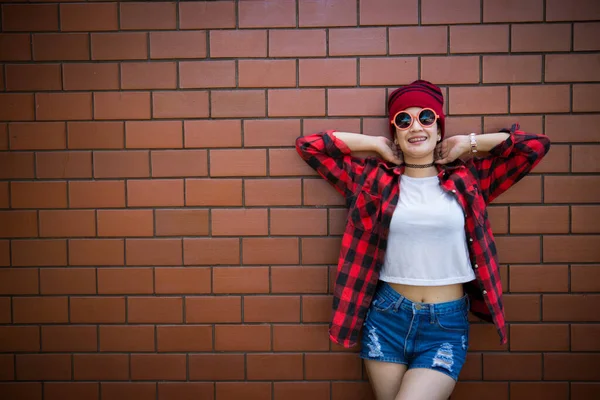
(403, 120)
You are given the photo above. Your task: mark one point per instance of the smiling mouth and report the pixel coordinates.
(417, 139)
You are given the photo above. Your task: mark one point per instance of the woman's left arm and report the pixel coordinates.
(510, 157)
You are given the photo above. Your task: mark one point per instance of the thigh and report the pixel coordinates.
(425, 384)
(385, 378)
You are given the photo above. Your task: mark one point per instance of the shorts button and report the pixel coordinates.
(418, 306)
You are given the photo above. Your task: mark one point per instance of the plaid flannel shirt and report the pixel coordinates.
(371, 189)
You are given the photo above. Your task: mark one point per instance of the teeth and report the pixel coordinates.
(419, 139)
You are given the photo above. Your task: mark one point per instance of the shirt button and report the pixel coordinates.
(470, 239)
(453, 190)
(484, 292)
(475, 266)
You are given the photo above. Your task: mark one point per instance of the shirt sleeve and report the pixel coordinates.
(331, 158)
(510, 161)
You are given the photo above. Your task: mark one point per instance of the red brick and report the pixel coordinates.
(213, 192)
(241, 280)
(101, 367)
(238, 390)
(129, 390)
(121, 164)
(318, 192)
(556, 10)
(338, 219)
(557, 161)
(296, 102)
(16, 107)
(213, 251)
(3, 135)
(490, 390)
(586, 98)
(482, 337)
(153, 134)
(512, 366)
(568, 189)
(149, 75)
(88, 17)
(96, 252)
(61, 46)
(172, 280)
(331, 366)
(478, 100)
(231, 104)
(15, 47)
(272, 308)
(68, 338)
(216, 367)
(234, 43)
(571, 307)
(4, 195)
(178, 44)
(20, 338)
(529, 123)
(39, 194)
(91, 76)
(479, 39)
(125, 223)
(270, 132)
(518, 249)
(155, 310)
(572, 68)
(301, 390)
(158, 367)
(182, 222)
(539, 390)
(18, 281)
(23, 77)
(267, 14)
(148, 16)
(29, 17)
(584, 219)
(270, 251)
(320, 250)
(539, 278)
(584, 337)
(213, 309)
(285, 162)
(92, 194)
(331, 13)
(328, 72)
(573, 366)
(188, 104)
(5, 311)
(357, 41)
(67, 223)
(507, 11)
(266, 73)
(37, 135)
(388, 71)
(297, 43)
(243, 338)
(155, 193)
(584, 36)
(457, 12)
(458, 125)
(16, 165)
(121, 105)
(186, 390)
(206, 15)
(512, 69)
(120, 338)
(212, 133)
(63, 106)
(43, 366)
(450, 70)
(275, 367)
(128, 280)
(185, 338)
(547, 219)
(27, 310)
(528, 190)
(316, 308)
(240, 222)
(388, 12)
(238, 163)
(346, 102)
(584, 158)
(272, 192)
(119, 46)
(97, 310)
(351, 390)
(544, 337)
(60, 165)
(153, 252)
(206, 74)
(298, 222)
(95, 135)
(67, 281)
(541, 37)
(571, 249)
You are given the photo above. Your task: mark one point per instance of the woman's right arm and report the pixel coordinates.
(330, 154)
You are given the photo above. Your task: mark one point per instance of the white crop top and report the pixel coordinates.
(426, 244)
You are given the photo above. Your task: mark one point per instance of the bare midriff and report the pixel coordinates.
(429, 294)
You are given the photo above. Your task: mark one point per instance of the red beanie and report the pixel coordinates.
(418, 94)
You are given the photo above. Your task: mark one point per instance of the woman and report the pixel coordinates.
(418, 253)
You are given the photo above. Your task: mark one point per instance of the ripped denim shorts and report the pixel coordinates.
(419, 335)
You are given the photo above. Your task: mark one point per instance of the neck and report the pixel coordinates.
(420, 172)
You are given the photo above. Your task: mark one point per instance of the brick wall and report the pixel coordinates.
(161, 239)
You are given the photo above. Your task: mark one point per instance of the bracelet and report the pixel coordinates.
(473, 143)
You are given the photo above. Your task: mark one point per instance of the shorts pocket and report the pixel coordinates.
(365, 211)
(381, 304)
(453, 322)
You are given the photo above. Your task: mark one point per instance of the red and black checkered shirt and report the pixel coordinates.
(371, 189)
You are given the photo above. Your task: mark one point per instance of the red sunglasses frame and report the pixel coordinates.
(415, 117)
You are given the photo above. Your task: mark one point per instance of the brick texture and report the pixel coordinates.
(161, 239)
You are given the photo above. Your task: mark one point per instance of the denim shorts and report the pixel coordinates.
(419, 335)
